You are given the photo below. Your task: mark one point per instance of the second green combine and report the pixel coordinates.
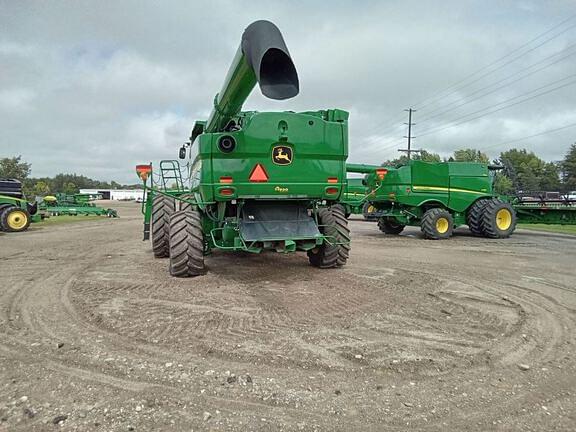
(258, 180)
(437, 197)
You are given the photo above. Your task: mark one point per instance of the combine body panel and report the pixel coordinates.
(257, 180)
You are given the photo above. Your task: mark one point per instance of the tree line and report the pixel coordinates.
(16, 168)
(522, 170)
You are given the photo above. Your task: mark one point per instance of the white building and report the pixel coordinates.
(116, 194)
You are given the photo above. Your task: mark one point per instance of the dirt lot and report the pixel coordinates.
(466, 334)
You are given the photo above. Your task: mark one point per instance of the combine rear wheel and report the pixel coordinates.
(437, 224)
(499, 219)
(14, 219)
(335, 226)
(390, 226)
(162, 208)
(186, 244)
(184, 205)
(475, 215)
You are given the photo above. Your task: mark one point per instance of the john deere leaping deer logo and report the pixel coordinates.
(282, 155)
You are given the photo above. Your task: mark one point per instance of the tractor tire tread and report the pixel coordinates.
(335, 225)
(390, 228)
(474, 217)
(162, 209)
(186, 244)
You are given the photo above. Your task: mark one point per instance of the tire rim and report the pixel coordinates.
(17, 220)
(503, 219)
(442, 225)
(371, 209)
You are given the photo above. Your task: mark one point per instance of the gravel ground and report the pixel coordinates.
(464, 334)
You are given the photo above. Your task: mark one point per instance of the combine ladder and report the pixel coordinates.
(171, 175)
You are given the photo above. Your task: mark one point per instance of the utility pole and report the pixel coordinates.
(409, 150)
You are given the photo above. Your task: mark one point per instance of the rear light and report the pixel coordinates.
(225, 179)
(331, 191)
(258, 174)
(381, 173)
(226, 192)
(332, 179)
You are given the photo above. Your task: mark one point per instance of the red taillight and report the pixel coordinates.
(143, 171)
(331, 191)
(381, 173)
(258, 174)
(226, 192)
(332, 179)
(225, 179)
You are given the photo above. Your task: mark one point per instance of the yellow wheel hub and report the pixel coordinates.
(503, 219)
(371, 209)
(442, 225)
(17, 220)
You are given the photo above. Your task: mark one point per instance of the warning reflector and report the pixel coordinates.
(258, 174)
(143, 171)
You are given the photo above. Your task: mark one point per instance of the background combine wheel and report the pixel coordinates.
(368, 211)
(437, 224)
(162, 207)
(475, 215)
(390, 226)
(499, 219)
(14, 219)
(186, 244)
(333, 224)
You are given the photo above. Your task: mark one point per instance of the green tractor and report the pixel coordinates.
(16, 213)
(257, 180)
(437, 197)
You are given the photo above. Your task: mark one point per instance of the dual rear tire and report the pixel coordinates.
(492, 218)
(178, 235)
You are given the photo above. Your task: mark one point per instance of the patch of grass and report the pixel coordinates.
(564, 229)
(56, 220)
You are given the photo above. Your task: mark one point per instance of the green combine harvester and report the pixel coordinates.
(16, 213)
(440, 196)
(437, 197)
(256, 180)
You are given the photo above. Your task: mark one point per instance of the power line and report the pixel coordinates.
(376, 128)
(529, 136)
(451, 89)
(426, 118)
(435, 130)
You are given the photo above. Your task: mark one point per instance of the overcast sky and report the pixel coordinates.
(95, 87)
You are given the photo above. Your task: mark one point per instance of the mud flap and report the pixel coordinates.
(264, 221)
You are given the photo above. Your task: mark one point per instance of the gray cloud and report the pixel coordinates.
(96, 87)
